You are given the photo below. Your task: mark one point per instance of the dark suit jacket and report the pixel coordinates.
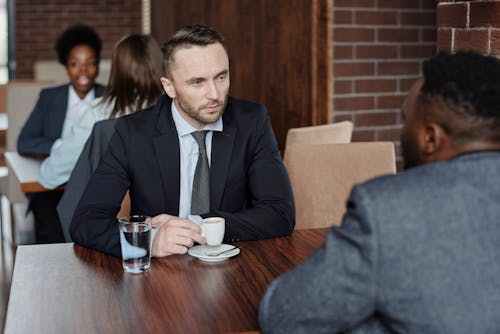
(417, 252)
(45, 123)
(249, 185)
(94, 149)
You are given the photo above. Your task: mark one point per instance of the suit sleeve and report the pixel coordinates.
(94, 224)
(270, 210)
(334, 290)
(32, 138)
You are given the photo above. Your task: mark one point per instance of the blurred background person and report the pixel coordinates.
(134, 84)
(55, 113)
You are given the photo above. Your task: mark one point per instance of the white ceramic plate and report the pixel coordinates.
(200, 252)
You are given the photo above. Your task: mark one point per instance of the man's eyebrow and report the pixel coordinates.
(226, 71)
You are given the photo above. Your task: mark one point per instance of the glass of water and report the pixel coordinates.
(135, 240)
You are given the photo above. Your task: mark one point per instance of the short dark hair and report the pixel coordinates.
(466, 87)
(200, 35)
(77, 35)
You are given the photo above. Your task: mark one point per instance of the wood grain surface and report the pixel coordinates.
(65, 288)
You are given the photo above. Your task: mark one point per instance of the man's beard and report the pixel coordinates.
(196, 113)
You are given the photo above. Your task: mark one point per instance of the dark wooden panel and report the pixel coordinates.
(280, 52)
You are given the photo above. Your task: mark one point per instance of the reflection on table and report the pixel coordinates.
(65, 288)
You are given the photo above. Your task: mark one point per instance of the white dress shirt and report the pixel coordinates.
(189, 157)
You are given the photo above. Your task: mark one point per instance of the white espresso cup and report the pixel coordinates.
(213, 230)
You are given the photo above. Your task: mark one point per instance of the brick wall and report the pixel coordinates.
(379, 46)
(39, 23)
(469, 25)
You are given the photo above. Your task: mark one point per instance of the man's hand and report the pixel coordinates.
(174, 235)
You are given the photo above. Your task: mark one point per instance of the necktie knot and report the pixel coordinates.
(200, 136)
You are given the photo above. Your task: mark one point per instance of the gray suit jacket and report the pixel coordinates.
(87, 163)
(417, 252)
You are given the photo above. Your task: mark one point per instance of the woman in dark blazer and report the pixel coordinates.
(57, 109)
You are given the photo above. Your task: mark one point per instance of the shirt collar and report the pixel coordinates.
(74, 99)
(184, 128)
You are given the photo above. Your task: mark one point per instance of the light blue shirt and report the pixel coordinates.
(189, 157)
(56, 168)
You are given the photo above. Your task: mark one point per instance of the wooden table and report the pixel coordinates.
(27, 171)
(65, 288)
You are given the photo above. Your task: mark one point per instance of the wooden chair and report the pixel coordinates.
(320, 134)
(323, 175)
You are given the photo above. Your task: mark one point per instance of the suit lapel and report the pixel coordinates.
(166, 146)
(222, 148)
(60, 106)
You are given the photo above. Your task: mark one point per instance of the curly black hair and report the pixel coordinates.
(77, 35)
(466, 85)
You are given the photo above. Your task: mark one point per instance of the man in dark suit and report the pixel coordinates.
(417, 252)
(155, 155)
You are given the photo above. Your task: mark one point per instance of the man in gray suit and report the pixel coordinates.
(417, 252)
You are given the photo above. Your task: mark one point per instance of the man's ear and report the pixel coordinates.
(435, 143)
(168, 87)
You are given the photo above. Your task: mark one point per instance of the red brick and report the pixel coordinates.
(390, 101)
(398, 68)
(354, 3)
(471, 40)
(375, 86)
(393, 4)
(428, 35)
(354, 103)
(485, 14)
(418, 51)
(418, 19)
(376, 119)
(39, 23)
(354, 34)
(388, 134)
(375, 18)
(342, 17)
(495, 42)
(444, 40)
(353, 69)
(343, 87)
(397, 35)
(363, 135)
(452, 15)
(405, 84)
(341, 118)
(342, 52)
(376, 51)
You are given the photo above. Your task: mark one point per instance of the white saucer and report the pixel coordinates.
(200, 252)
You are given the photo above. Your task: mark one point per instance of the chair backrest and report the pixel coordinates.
(320, 134)
(21, 98)
(323, 175)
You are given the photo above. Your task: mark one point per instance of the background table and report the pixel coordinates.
(65, 288)
(27, 171)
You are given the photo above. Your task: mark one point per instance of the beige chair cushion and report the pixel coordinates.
(322, 177)
(21, 98)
